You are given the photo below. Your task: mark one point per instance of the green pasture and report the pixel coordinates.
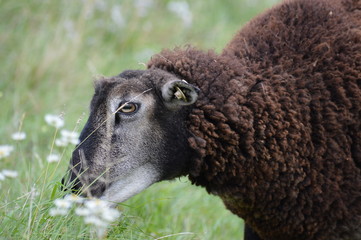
(50, 53)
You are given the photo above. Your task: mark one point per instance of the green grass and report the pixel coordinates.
(49, 53)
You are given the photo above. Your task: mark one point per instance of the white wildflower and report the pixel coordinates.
(117, 17)
(5, 150)
(53, 158)
(74, 198)
(96, 221)
(99, 214)
(62, 207)
(2, 177)
(61, 142)
(96, 205)
(69, 136)
(63, 203)
(54, 120)
(82, 211)
(110, 214)
(18, 136)
(33, 193)
(94, 212)
(181, 8)
(9, 173)
(102, 210)
(58, 211)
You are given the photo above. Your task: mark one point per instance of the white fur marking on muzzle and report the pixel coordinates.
(132, 184)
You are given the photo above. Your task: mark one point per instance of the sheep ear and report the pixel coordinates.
(179, 93)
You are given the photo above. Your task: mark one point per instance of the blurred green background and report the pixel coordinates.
(50, 53)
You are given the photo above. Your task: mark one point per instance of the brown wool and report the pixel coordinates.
(277, 126)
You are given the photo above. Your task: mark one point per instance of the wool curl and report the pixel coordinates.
(277, 127)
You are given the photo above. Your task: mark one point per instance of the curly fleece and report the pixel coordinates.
(277, 127)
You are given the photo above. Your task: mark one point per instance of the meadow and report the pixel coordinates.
(50, 53)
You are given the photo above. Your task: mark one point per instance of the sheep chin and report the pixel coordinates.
(131, 184)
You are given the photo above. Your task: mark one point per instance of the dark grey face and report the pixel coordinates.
(135, 135)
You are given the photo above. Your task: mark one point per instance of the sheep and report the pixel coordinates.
(271, 124)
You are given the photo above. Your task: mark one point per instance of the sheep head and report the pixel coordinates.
(136, 135)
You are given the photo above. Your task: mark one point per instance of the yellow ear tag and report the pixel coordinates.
(180, 95)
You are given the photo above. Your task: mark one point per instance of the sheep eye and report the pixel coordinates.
(128, 108)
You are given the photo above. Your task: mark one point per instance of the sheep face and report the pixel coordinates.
(135, 135)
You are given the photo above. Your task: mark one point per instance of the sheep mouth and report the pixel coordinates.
(95, 191)
(90, 188)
